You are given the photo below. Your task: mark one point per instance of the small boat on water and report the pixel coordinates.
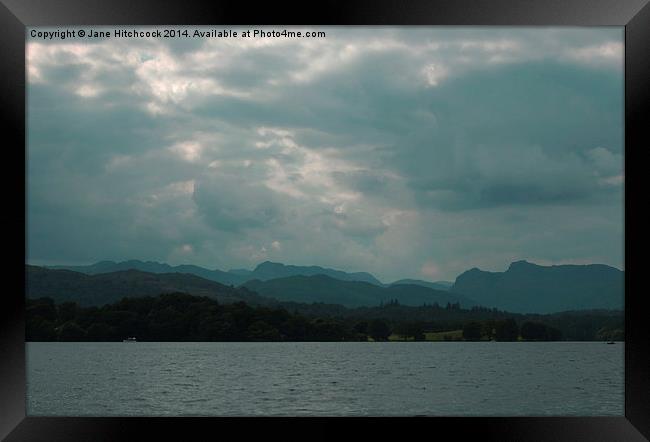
(610, 342)
(132, 339)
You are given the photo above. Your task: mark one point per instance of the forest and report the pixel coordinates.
(183, 317)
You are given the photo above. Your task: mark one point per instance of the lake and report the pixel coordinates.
(329, 379)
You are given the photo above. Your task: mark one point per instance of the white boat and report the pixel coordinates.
(132, 339)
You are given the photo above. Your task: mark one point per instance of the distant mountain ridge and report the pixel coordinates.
(438, 285)
(527, 287)
(264, 271)
(273, 270)
(323, 288)
(154, 267)
(524, 287)
(102, 288)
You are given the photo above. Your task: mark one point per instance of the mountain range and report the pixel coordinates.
(438, 285)
(265, 271)
(524, 287)
(103, 288)
(98, 289)
(216, 275)
(530, 288)
(323, 288)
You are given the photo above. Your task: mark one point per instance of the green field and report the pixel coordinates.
(451, 335)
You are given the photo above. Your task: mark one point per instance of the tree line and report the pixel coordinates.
(179, 317)
(183, 317)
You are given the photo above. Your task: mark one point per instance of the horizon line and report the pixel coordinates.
(323, 267)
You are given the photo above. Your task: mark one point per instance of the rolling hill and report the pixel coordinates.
(322, 288)
(154, 267)
(523, 288)
(438, 285)
(264, 271)
(103, 288)
(273, 270)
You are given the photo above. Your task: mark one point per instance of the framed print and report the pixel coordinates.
(356, 210)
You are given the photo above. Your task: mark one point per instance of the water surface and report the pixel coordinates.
(352, 378)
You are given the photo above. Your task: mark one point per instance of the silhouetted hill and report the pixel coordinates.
(216, 275)
(322, 288)
(524, 287)
(264, 271)
(273, 270)
(531, 288)
(438, 285)
(102, 288)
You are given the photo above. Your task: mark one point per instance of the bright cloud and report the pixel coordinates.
(406, 152)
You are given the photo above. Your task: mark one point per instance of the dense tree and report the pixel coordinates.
(101, 332)
(361, 327)
(488, 329)
(67, 311)
(610, 334)
(262, 331)
(40, 329)
(536, 331)
(297, 327)
(328, 329)
(379, 329)
(182, 317)
(506, 330)
(472, 331)
(70, 331)
(42, 308)
(408, 330)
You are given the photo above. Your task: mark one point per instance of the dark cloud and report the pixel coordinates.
(404, 152)
(234, 204)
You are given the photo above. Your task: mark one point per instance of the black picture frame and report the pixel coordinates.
(15, 15)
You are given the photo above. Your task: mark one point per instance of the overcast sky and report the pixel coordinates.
(405, 152)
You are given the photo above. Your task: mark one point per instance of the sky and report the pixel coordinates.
(413, 152)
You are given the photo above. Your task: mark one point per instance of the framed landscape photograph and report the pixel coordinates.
(362, 209)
